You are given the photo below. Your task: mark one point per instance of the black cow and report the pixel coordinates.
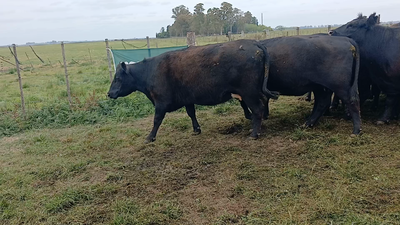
(205, 75)
(317, 63)
(380, 54)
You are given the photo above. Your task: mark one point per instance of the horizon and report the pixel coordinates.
(73, 21)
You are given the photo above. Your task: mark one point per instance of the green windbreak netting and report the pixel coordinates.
(136, 55)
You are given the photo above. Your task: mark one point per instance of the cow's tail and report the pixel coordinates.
(355, 72)
(266, 92)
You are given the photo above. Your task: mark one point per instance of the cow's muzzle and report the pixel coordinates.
(111, 95)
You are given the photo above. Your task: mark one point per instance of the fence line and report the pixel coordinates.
(109, 59)
(144, 43)
(19, 80)
(66, 74)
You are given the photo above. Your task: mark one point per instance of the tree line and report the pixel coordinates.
(213, 21)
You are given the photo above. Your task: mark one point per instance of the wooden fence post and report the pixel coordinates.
(229, 35)
(90, 56)
(148, 46)
(191, 39)
(19, 81)
(329, 28)
(298, 30)
(109, 60)
(50, 62)
(29, 61)
(66, 75)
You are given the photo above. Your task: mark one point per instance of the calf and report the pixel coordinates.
(204, 75)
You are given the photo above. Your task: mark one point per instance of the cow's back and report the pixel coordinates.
(208, 75)
(308, 59)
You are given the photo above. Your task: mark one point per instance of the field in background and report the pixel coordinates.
(89, 165)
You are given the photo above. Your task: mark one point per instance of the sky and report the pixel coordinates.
(24, 21)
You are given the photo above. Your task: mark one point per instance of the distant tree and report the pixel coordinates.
(163, 33)
(180, 10)
(199, 9)
(252, 28)
(183, 19)
(247, 17)
(227, 16)
(280, 28)
(182, 25)
(238, 21)
(254, 20)
(198, 20)
(214, 20)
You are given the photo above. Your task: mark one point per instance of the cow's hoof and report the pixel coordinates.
(252, 138)
(353, 135)
(380, 122)
(197, 131)
(306, 125)
(249, 117)
(149, 140)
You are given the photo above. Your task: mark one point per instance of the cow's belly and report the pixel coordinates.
(210, 98)
(291, 90)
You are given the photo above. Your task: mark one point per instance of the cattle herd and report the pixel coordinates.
(354, 61)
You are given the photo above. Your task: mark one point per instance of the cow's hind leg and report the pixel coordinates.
(158, 118)
(390, 107)
(190, 110)
(375, 95)
(335, 102)
(308, 96)
(352, 104)
(266, 108)
(321, 104)
(247, 113)
(256, 107)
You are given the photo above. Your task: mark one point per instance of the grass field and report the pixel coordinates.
(89, 165)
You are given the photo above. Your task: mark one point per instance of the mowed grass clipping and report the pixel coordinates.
(104, 174)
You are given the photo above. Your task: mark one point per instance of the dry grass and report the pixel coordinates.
(103, 174)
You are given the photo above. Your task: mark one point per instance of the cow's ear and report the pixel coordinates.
(372, 20)
(123, 66)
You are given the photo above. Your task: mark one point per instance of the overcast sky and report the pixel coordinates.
(24, 21)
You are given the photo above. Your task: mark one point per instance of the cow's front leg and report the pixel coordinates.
(190, 110)
(158, 118)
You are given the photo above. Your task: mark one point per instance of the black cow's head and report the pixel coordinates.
(356, 28)
(123, 83)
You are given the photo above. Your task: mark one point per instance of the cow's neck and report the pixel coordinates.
(377, 38)
(141, 74)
